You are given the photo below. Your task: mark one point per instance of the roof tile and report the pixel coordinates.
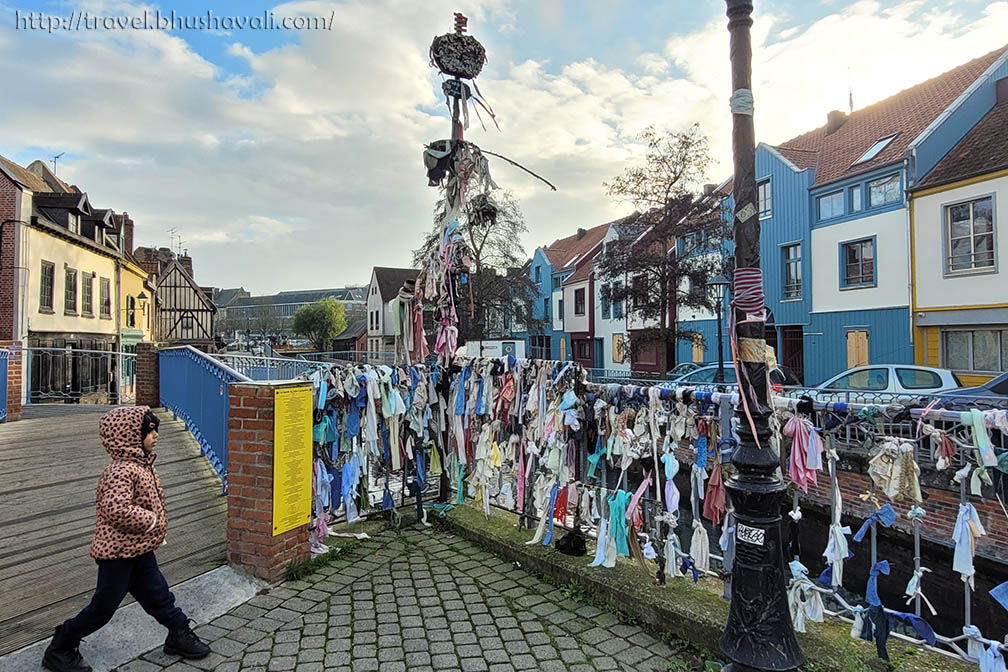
(907, 113)
(983, 150)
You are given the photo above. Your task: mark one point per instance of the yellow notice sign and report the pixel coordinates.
(292, 457)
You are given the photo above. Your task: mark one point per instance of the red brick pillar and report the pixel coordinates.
(148, 380)
(252, 545)
(14, 373)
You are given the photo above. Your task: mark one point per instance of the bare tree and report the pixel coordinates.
(665, 256)
(492, 226)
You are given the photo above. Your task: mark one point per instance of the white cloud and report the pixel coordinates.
(306, 171)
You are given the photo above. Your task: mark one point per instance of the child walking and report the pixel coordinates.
(130, 524)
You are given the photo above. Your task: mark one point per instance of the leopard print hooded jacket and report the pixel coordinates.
(129, 498)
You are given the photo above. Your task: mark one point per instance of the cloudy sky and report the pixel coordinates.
(292, 159)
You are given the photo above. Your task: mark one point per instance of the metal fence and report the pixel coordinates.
(194, 387)
(4, 359)
(77, 376)
(870, 418)
(375, 358)
(268, 368)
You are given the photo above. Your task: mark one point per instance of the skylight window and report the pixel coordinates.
(875, 149)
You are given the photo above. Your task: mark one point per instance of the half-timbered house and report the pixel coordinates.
(185, 314)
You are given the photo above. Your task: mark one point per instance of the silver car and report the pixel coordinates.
(886, 383)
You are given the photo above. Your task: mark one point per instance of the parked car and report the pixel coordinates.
(682, 369)
(779, 376)
(886, 383)
(993, 393)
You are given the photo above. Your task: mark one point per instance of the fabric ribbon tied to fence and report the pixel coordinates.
(967, 530)
(871, 590)
(885, 515)
(804, 600)
(913, 589)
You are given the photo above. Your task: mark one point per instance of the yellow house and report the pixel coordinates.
(72, 275)
(136, 303)
(960, 297)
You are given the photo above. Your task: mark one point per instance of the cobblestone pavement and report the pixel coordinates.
(423, 600)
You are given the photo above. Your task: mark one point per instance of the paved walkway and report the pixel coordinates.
(49, 466)
(424, 600)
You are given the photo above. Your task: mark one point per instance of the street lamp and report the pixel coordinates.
(719, 285)
(759, 633)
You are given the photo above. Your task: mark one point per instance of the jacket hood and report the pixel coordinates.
(120, 433)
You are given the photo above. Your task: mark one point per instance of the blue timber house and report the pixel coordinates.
(835, 241)
(549, 268)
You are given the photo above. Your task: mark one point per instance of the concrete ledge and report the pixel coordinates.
(680, 610)
(131, 632)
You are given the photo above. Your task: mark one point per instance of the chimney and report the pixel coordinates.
(186, 262)
(1001, 88)
(834, 120)
(708, 189)
(581, 233)
(127, 233)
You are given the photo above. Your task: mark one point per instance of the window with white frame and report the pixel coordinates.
(858, 263)
(831, 205)
(969, 235)
(764, 198)
(579, 301)
(884, 191)
(855, 199)
(792, 271)
(975, 350)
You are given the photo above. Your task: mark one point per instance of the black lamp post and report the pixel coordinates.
(719, 284)
(759, 633)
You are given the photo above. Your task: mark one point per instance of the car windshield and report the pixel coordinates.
(699, 376)
(863, 379)
(999, 385)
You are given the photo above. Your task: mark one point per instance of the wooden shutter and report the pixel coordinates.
(857, 348)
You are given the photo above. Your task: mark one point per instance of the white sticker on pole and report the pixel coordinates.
(750, 535)
(746, 212)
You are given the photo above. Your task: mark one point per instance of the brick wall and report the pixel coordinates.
(14, 363)
(148, 381)
(9, 196)
(251, 544)
(940, 504)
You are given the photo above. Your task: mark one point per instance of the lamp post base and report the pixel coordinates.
(759, 634)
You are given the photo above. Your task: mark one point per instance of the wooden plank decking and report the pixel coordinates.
(49, 466)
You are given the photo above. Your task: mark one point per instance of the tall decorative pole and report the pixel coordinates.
(759, 633)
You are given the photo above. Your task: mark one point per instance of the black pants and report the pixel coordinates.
(141, 578)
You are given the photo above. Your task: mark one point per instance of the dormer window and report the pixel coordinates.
(875, 149)
(73, 222)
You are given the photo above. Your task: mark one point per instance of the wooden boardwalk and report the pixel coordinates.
(49, 466)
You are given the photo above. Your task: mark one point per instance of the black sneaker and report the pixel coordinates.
(184, 642)
(63, 654)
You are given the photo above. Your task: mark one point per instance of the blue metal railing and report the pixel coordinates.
(194, 387)
(4, 358)
(268, 368)
(375, 357)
